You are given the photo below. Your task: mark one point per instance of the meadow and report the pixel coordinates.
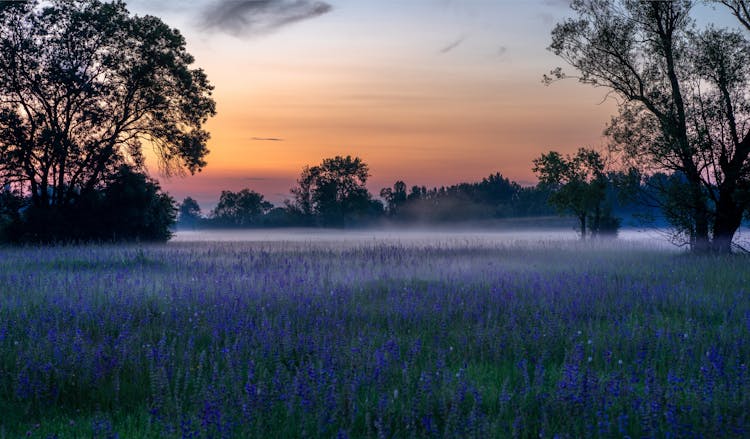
(373, 338)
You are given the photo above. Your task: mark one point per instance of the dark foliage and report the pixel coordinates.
(11, 203)
(333, 194)
(682, 93)
(240, 209)
(130, 207)
(492, 198)
(579, 186)
(83, 84)
(135, 209)
(189, 213)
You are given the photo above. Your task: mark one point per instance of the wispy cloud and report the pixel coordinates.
(252, 17)
(267, 139)
(453, 44)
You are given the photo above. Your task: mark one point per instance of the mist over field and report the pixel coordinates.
(430, 236)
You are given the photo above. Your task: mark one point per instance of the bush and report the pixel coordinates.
(609, 225)
(130, 207)
(135, 209)
(10, 205)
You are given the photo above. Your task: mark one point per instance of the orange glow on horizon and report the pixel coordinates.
(418, 140)
(338, 85)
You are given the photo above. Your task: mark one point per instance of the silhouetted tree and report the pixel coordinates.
(334, 192)
(82, 85)
(684, 102)
(189, 213)
(578, 185)
(241, 209)
(417, 193)
(395, 197)
(497, 189)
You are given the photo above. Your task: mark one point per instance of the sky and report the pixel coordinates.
(431, 92)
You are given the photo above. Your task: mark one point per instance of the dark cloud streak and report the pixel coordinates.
(267, 139)
(252, 17)
(452, 45)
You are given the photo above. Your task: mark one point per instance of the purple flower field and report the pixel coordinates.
(263, 339)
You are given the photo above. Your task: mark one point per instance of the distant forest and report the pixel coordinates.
(333, 194)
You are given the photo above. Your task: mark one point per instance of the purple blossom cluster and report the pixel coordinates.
(374, 340)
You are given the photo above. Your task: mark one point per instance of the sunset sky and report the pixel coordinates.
(433, 92)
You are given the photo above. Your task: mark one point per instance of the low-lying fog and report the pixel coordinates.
(658, 238)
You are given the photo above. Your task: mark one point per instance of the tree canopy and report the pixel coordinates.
(334, 192)
(84, 85)
(241, 209)
(189, 212)
(578, 185)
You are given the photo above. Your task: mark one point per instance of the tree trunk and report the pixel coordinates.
(44, 194)
(35, 193)
(582, 220)
(728, 220)
(597, 222)
(700, 242)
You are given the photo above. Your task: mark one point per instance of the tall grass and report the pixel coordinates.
(372, 340)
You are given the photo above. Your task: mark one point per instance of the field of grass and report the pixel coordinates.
(256, 339)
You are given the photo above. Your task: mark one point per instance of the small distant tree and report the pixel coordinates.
(334, 193)
(417, 193)
(578, 186)
(394, 197)
(241, 209)
(189, 212)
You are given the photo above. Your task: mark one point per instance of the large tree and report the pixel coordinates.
(683, 101)
(83, 85)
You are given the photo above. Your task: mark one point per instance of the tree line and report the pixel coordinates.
(84, 85)
(334, 194)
